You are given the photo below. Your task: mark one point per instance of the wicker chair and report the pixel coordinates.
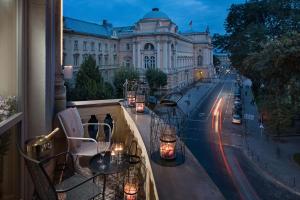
(69, 184)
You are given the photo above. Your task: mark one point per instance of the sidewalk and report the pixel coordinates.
(274, 158)
(193, 96)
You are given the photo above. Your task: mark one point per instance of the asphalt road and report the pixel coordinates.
(214, 141)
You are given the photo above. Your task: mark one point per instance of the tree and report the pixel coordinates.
(250, 25)
(122, 74)
(278, 67)
(156, 78)
(89, 83)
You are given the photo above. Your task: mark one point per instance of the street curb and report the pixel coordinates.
(268, 176)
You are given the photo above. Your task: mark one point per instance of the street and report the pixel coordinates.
(217, 144)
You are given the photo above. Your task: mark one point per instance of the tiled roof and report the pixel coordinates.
(83, 27)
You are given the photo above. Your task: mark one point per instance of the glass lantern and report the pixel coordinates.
(131, 98)
(168, 145)
(131, 189)
(140, 103)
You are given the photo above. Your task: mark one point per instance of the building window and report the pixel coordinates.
(200, 60)
(84, 57)
(152, 62)
(115, 59)
(115, 47)
(94, 56)
(93, 46)
(127, 63)
(128, 46)
(76, 59)
(100, 59)
(149, 47)
(106, 47)
(84, 45)
(106, 59)
(76, 45)
(99, 47)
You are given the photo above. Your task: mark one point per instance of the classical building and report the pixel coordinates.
(224, 59)
(152, 42)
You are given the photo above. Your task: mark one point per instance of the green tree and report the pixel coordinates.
(278, 67)
(122, 74)
(263, 46)
(156, 79)
(89, 83)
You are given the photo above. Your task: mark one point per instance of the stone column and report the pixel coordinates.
(165, 56)
(169, 55)
(138, 55)
(158, 55)
(60, 89)
(134, 55)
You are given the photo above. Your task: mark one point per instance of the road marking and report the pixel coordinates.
(248, 116)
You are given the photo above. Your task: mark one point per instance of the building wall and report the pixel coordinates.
(105, 52)
(176, 55)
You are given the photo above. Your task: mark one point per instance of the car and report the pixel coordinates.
(236, 119)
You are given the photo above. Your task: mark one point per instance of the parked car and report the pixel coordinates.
(236, 119)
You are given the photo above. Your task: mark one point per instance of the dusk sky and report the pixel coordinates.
(127, 12)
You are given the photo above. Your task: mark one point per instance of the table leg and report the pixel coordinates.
(104, 186)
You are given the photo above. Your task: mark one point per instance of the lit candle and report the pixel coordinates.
(130, 190)
(68, 72)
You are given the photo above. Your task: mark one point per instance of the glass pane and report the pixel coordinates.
(9, 165)
(8, 58)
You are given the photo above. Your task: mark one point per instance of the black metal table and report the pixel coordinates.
(118, 166)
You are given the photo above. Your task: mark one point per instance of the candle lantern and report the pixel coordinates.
(168, 145)
(140, 103)
(118, 151)
(131, 98)
(167, 131)
(131, 189)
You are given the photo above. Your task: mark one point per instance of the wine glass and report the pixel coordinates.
(101, 161)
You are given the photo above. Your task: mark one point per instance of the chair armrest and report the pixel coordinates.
(84, 139)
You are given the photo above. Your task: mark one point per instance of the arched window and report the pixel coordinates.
(146, 62)
(148, 47)
(152, 62)
(200, 60)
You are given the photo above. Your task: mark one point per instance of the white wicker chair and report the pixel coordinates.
(73, 128)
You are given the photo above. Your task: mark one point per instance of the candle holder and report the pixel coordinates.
(131, 98)
(168, 121)
(140, 103)
(131, 188)
(168, 146)
(118, 149)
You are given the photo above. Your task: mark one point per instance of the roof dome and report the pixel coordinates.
(155, 14)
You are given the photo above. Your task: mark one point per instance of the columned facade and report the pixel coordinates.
(153, 42)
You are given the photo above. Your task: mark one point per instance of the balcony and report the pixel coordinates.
(188, 180)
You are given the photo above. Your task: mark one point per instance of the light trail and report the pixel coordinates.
(217, 127)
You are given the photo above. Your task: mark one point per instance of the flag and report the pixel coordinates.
(191, 24)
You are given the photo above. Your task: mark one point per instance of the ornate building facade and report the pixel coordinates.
(152, 42)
